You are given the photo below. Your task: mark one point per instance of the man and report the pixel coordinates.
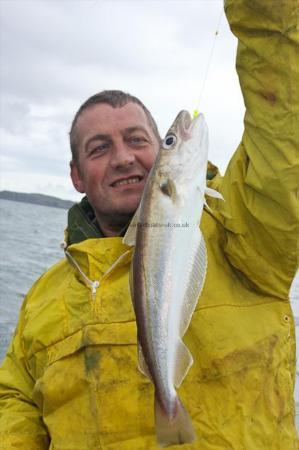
(70, 378)
(114, 142)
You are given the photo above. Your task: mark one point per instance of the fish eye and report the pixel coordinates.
(169, 141)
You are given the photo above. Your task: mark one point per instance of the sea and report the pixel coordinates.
(30, 243)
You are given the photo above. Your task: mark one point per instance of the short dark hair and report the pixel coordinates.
(116, 99)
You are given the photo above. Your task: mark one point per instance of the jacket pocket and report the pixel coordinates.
(92, 394)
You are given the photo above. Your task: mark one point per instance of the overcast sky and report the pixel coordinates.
(55, 54)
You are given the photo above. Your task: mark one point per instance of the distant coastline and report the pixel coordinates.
(36, 199)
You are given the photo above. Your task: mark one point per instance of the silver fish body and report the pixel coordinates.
(169, 267)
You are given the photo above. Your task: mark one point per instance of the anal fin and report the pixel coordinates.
(184, 361)
(196, 272)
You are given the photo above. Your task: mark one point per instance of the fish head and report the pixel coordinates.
(184, 151)
(178, 133)
(179, 130)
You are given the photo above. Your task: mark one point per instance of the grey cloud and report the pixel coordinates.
(48, 47)
(15, 116)
(55, 54)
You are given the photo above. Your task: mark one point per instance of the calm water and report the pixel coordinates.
(30, 243)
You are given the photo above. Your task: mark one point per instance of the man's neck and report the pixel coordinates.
(114, 228)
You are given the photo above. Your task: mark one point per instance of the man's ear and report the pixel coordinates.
(76, 177)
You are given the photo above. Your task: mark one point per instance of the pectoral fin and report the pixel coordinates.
(213, 193)
(168, 188)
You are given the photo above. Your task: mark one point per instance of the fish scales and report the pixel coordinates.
(151, 315)
(168, 268)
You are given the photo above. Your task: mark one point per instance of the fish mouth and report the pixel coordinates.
(184, 121)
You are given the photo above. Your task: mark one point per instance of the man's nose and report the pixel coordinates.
(122, 156)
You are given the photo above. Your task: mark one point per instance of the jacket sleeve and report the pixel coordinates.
(261, 184)
(21, 425)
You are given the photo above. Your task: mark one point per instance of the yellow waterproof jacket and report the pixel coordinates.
(70, 379)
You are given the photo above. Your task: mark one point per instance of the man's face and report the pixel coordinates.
(116, 150)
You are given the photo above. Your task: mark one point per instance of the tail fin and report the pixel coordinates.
(176, 430)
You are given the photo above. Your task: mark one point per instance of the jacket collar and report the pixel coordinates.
(82, 223)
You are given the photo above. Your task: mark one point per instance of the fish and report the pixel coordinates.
(169, 267)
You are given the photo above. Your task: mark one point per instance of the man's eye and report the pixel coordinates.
(137, 140)
(99, 149)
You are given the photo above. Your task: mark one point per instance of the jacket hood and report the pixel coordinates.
(82, 223)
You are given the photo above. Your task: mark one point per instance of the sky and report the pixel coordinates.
(55, 54)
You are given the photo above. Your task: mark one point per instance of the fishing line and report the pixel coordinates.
(208, 66)
(203, 85)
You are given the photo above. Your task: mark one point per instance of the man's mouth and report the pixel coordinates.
(129, 180)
